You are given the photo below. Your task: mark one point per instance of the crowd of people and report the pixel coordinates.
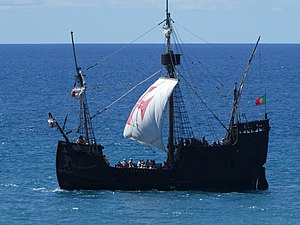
(205, 143)
(142, 164)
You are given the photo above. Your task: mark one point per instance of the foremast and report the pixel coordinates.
(170, 60)
(85, 121)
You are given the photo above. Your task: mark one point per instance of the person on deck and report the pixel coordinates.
(106, 159)
(80, 140)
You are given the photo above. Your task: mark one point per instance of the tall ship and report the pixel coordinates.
(234, 163)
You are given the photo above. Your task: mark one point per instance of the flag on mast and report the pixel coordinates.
(261, 100)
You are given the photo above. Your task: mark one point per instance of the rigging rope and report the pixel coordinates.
(204, 103)
(191, 53)
(112, 54)
(125, 94)
(177, 39)
(118, 99)
(210, 44)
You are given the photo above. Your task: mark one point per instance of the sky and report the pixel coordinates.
(122, 21)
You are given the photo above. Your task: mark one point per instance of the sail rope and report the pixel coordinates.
(183, 128)
(117, 100)
(117, 51)
(179, 48)
(196, 114)
(125, 94)
(193, 89)
(179, 40)
(211, 45)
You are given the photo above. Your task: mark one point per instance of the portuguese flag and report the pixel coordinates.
(260, 101)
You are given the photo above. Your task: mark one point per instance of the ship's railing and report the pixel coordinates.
(251, 127)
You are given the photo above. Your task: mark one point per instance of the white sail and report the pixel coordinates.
(146, 118)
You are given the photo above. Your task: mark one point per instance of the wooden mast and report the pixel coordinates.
(80, 78)
(238, 93)
(169, 61)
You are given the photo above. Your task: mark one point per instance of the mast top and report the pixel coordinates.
(167, 7)
(169, 59)
(74, 51)
(167, 27)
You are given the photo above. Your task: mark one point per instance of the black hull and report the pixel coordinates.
(230, 167)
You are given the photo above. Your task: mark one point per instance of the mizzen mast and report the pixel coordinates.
(238, 93)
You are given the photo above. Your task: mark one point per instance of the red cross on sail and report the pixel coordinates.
(141, 104)
(145, 121)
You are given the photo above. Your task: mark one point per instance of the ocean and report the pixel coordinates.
(37, 79)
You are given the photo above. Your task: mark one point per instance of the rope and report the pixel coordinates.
(205, 104)
(211, 45)
(125, 94)
(107, 57)
(117, 100)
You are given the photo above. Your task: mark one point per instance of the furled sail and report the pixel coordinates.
(77, 92)
(146, 118)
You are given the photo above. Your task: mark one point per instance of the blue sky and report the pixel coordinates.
(121, 21)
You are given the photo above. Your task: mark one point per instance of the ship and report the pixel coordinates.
(236, 163)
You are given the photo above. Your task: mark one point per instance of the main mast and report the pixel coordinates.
(170, 60)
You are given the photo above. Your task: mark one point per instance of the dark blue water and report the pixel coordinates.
(36, 79)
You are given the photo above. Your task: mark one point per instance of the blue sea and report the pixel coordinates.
(37, 79)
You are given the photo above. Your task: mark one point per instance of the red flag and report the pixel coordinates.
(260, 101)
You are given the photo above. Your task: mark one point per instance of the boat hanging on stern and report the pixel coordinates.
(192, 164)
